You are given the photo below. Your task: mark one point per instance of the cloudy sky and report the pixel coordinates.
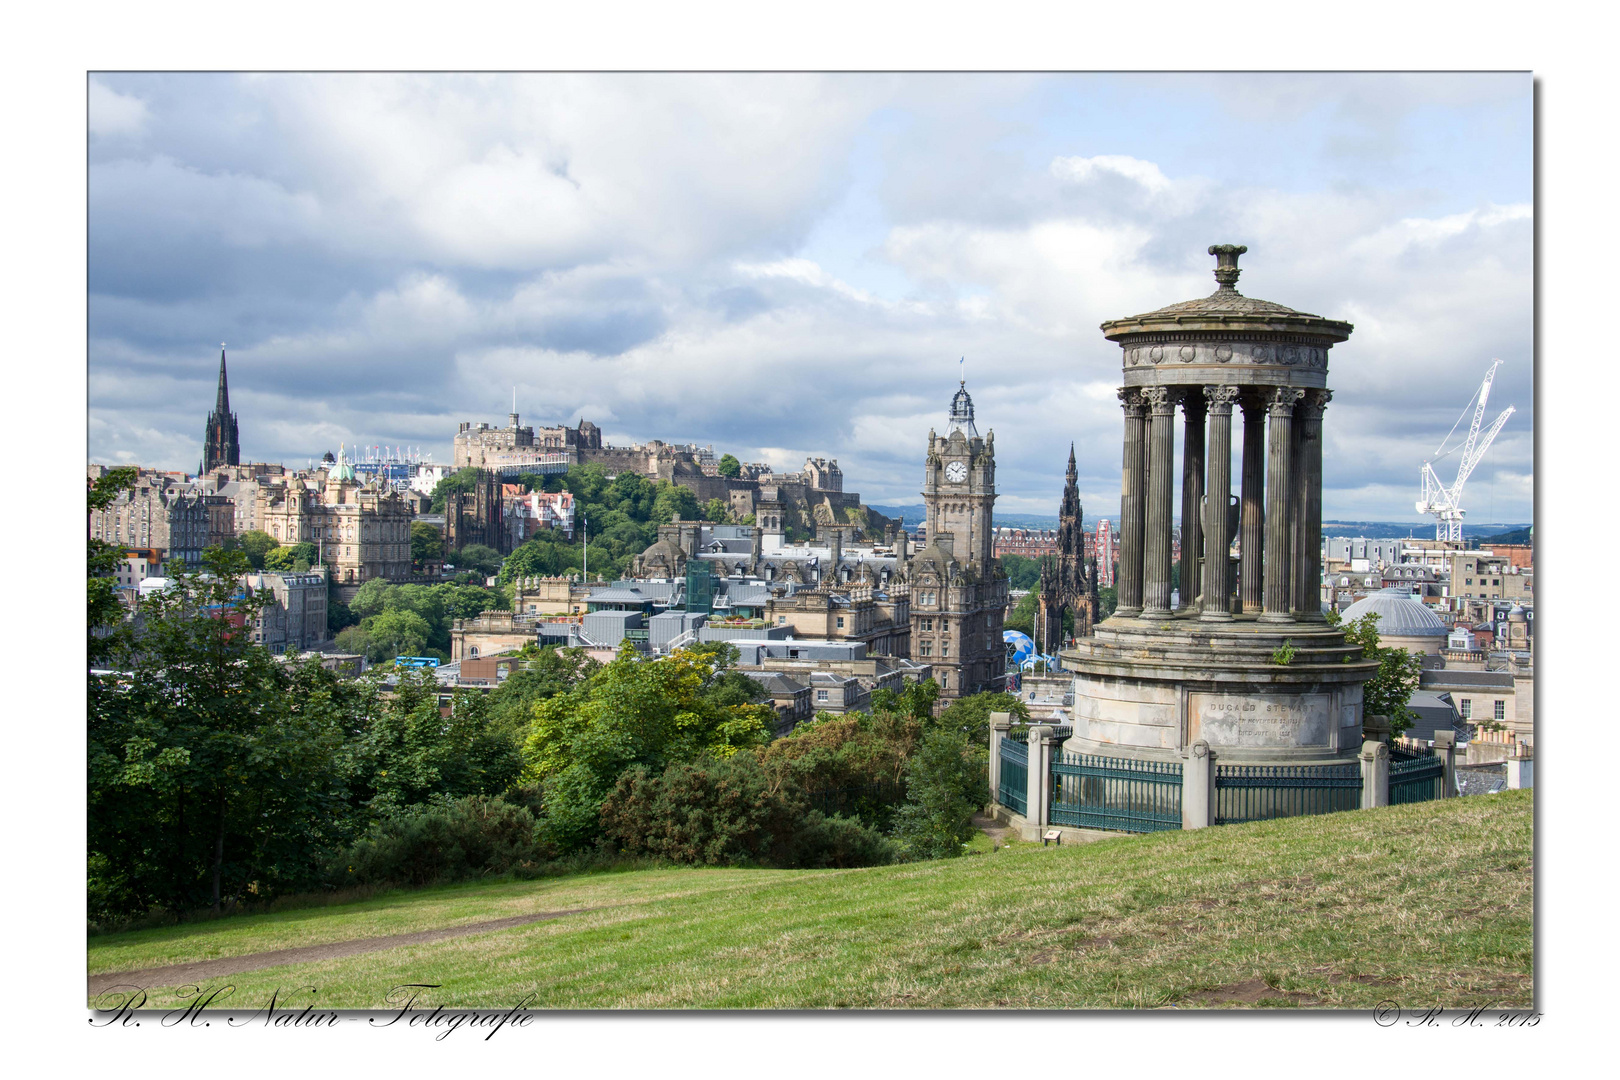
(783, 265)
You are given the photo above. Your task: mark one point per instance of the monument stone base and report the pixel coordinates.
(1150, 688)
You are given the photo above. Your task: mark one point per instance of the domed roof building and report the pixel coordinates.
(1403, 621)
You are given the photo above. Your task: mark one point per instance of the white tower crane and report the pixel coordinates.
(1446, 503)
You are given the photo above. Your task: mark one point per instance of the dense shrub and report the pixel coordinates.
(945, 786)
(731, 812)
(471, 837)
(837, 842)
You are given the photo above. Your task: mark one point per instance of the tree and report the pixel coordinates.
(484, 561)
(715, 510)
(1022, 618)
(1399, 671)
(427, 543)
(631, 712)
(212, 766)
(398, 632)
(730, 466)
(1022, 572)
(408, 752)
(291, 560)
(103, 558)
(945, 787)
(1107, 601)
(970, 715)
(255, 544)
(674, 501)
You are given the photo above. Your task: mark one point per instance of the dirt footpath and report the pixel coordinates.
(181, 974)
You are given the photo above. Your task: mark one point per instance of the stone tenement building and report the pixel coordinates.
(296, 615)
(958, 591)
(1158, 682)
(1030, 543)
(361, 531)
(161, 511)
(219, 436)
(1069, 584)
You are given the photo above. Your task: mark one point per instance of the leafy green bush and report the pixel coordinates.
(449, 841)
(838, 842)
(945, 786)
(731, 812)
(713, 813)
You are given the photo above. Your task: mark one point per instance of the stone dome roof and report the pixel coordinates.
(1226, 308)
(1399, 615)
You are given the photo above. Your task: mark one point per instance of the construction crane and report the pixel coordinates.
(1446, 503)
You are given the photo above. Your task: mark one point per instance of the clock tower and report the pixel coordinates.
(958, 593)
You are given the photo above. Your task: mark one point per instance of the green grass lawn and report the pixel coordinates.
(1426, 905)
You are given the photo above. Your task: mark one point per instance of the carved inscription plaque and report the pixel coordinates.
(1237, 720)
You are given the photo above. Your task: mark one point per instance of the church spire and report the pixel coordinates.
(222, 400)
(220, 437)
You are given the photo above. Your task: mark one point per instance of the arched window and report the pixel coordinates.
(473, 651)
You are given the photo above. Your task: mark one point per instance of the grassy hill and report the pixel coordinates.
(1427, 905)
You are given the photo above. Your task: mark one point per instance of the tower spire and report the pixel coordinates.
(220, 436)
(222, 398)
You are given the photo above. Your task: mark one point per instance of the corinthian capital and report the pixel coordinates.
(1281, 401)
(1160, 399)
(1131, 398)
(1219, 399)
(1316, 401)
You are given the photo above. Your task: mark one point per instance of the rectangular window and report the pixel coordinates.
(927, 649)
(821, 695)
(840, 622)
(781, 620)
(1501, 710)
(945, 648)
(1466, 707)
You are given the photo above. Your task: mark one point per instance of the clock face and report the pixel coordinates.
(956, 472)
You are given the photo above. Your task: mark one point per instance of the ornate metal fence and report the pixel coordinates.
(1415, 775)
(1092, 792)
(1011, 792)
(1262, 792)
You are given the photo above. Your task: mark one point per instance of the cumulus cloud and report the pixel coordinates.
(676, 257)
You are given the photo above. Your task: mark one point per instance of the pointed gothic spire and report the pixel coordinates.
(222, 400)
(220, 436)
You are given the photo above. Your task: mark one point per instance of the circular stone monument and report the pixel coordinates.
(1245, 662)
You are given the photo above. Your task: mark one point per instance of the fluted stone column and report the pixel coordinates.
(1309, 585)
(1279, 468)
(1161, 488)
(1192, 495)
(1132, 504)
(1217, 536)
(1296, 513)
(1252, 533)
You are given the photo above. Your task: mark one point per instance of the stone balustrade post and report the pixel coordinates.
(1038, 796)
(1198, 786)
(1000, 722)
(1374, 774)
(1445, 748)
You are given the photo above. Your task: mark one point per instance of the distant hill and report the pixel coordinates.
(1496, 532)
(1516, 536)
(1422, 530)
